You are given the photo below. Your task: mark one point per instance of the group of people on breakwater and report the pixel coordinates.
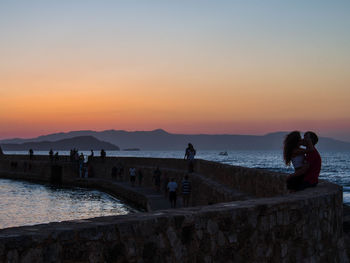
(161, 181)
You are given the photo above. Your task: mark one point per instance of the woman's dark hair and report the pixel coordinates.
(291, 141)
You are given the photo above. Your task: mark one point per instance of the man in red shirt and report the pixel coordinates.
(312, 167)
(313, 161)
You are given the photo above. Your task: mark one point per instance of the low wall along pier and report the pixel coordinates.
(236, 214)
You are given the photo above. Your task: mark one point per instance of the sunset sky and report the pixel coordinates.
(233, 67)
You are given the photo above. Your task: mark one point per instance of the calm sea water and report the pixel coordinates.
(24, 203)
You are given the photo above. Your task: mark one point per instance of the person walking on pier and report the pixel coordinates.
(103, 154)
(172, 187)
(120, 171)
(156, 178)
(31, 154)
(81, 165)
(132, 173)
(186, 191)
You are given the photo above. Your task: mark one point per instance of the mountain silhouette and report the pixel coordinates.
(162, 140)
(82, 143)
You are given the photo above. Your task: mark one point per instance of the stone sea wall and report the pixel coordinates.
(207, 189)
(268, 225)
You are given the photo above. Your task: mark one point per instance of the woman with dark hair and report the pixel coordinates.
(293, 153)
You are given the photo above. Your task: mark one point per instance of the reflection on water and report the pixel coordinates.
(24, 203)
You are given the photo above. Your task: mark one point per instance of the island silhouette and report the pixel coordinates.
(83, 143)
(159, 140)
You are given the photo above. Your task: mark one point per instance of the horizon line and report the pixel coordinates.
(158, 129)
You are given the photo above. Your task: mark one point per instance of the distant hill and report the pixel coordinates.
(82, 143)
(162, 140)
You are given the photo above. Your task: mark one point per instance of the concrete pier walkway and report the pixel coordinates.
(150, 198)
(157, 200)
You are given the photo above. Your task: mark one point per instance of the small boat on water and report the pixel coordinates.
(223, 153)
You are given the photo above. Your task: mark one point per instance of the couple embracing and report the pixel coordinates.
(306, 161)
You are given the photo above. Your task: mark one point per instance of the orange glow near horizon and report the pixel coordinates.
(175, 104)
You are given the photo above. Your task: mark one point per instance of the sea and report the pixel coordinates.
(32, 203)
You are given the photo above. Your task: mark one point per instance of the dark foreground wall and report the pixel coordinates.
(304, 227)
(300, 227)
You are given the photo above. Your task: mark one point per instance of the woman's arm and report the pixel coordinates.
(301, 170)
(299, 151)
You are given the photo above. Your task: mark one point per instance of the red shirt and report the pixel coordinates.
(314, 160)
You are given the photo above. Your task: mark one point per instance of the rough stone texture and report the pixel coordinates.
(306, 226)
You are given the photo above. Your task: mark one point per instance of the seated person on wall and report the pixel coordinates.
(312, 166)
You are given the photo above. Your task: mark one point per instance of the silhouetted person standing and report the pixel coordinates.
(156, 178)
(81, 165)
(103, 154)
(51, 155)
(132, 173)
(91, 156)
(120, 171)
(31, 154)
(189, 155)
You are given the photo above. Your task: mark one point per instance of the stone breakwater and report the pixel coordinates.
(251, 219)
